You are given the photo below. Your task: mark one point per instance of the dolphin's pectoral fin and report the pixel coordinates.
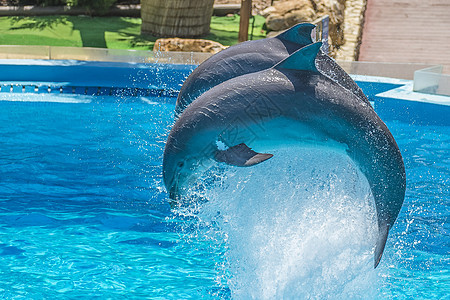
(241, 156)
(381, 243)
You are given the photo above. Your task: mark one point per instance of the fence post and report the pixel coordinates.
(246, 12)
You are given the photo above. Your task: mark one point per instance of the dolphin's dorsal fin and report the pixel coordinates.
(299, 34)
(241, 156)
(302, 59)
(383, 232)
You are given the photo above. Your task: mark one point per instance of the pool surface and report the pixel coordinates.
(84, 212)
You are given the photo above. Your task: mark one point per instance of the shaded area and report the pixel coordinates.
(138, 40)
(81, 31)
(225, 29)
(10, 250)
(103, 32)
(34, 23)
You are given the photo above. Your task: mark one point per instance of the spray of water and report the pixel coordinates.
(299, 226)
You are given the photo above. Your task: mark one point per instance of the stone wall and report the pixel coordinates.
(346, 17)
(353, 26)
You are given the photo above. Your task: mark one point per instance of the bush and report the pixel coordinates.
(92, 6)
(37, 2)
(97, 6)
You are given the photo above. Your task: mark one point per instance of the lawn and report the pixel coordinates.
(103, 32)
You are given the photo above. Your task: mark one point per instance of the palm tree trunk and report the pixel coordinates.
(176, 18)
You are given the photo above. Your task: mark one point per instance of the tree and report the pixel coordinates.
(176, 18)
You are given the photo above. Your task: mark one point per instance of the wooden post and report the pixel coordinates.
(246, 12)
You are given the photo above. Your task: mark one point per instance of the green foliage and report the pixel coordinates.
(75, 31)
(37, 2)
(225, 29)
(97, 6)
(50, 2)
(103, 32)
(92, 6)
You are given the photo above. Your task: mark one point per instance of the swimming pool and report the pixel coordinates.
(84, 212)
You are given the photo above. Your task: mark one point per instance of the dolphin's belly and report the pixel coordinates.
(281, 133)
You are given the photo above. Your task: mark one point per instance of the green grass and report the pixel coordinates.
(225, 29)
(103, 32)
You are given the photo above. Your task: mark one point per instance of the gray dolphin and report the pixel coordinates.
(254, 56)
(293, 102)
(240, 59)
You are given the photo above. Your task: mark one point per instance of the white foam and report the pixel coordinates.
(301, 225)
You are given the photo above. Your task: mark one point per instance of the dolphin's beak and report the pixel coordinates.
(174, 194)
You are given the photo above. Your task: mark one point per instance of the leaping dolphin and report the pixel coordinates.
(293, 102)
(240, 59)
(254, 56)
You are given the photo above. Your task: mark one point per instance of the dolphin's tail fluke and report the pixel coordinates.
(383, 232)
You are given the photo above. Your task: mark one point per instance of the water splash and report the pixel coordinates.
(301, 225)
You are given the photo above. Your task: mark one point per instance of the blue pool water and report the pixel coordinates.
(84, 213)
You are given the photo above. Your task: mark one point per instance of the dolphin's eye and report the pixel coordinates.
(180, 164)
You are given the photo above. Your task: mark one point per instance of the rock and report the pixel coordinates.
(286, 13)
(275, 23)
(187, 45)
(299, 16)
(266, 12)
(335, 9)
(283, 7)
(273, 33)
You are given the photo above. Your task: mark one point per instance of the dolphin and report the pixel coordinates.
(240, 59)
(254, 56)
(290, 103)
